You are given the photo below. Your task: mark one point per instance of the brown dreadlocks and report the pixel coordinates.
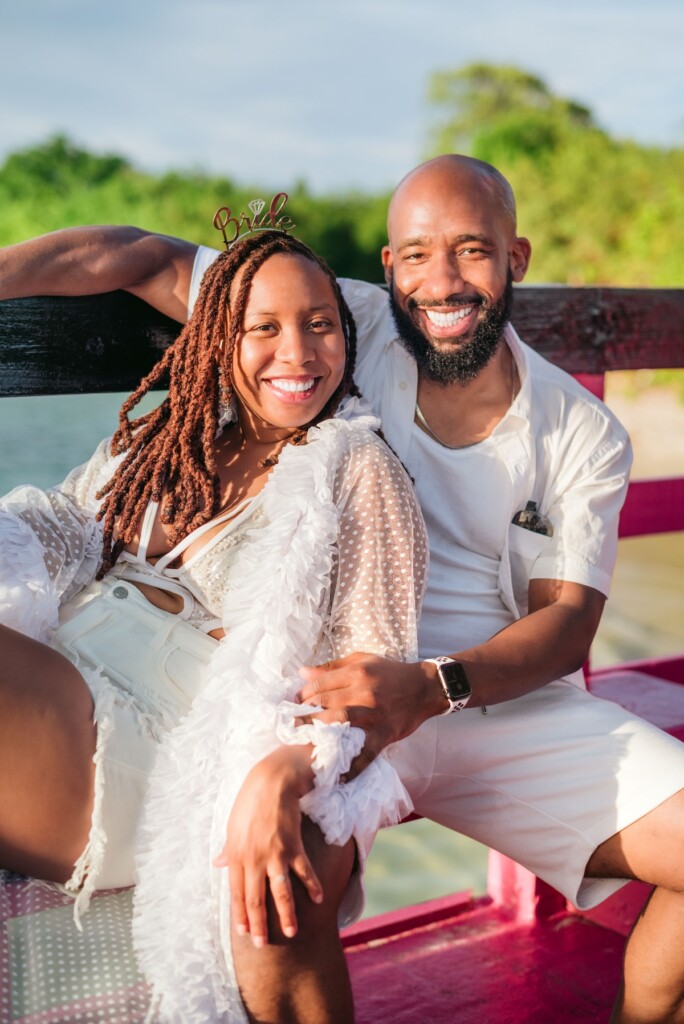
(171, 450)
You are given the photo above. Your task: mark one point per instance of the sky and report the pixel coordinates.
(332, 92)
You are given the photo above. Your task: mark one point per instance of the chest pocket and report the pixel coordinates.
(524, 548)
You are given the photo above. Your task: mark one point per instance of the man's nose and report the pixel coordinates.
(443, 278)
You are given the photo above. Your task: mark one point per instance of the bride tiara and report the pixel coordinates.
(234, 228)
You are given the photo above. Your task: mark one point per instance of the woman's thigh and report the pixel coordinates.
(47, 742)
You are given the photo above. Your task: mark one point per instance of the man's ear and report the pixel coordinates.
(519, 258)
(387, 262)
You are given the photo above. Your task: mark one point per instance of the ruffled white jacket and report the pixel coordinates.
(339, 566)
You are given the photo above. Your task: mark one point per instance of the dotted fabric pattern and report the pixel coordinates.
(51, 972)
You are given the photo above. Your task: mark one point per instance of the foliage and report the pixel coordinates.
(478, 95)
(57, 185)
(598, 210)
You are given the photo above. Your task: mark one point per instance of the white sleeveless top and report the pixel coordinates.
(201, 581)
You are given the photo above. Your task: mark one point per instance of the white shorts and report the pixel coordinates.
(544, 779)
(144, 667)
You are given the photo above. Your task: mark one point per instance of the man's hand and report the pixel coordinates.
(387, 699)
(264, 844)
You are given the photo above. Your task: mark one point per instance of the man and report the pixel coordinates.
(572, 787)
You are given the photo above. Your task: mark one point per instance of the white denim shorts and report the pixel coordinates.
(144, 666)
(545, 779)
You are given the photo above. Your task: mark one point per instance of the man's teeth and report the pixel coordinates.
(448, 319)
(293, 385)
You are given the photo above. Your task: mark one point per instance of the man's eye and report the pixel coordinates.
(414, 257)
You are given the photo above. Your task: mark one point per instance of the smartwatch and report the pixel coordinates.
(454, 680)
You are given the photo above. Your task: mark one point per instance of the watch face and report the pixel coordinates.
(455, 680)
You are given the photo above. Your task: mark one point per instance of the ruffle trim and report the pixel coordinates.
(357, 808)
(273, 622)
(84, 878)
(29, 601)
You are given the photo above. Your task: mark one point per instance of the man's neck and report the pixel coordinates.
(458, 414)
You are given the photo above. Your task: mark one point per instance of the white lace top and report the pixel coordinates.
(200, 581)
(332, 559)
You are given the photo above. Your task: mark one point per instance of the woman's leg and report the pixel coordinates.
(302, 980)
(47, 742)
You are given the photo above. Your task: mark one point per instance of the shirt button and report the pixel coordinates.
(402, 385)
(120, 592)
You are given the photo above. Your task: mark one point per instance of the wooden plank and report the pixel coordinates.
(61, 346)
(481, 967)
(594, 330)
(653, 506)
(395, 922)
(107, 342)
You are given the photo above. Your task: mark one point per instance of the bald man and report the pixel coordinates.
(521, 475)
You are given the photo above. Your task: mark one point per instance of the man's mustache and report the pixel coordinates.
(452, 302)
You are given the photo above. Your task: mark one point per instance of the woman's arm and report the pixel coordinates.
(268, 853)
(50, 546)
(381, 538)
(92, 260)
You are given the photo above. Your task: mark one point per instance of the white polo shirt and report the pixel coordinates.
(557, 445)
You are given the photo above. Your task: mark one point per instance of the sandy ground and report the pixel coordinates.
(654, 418)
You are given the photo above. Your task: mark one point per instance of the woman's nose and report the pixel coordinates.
(295, 346)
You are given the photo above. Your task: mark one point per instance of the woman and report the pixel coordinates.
(176, 583)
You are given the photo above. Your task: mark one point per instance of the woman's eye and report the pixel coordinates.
(320, 324)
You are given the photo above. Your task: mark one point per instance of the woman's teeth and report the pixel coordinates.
(293, 385)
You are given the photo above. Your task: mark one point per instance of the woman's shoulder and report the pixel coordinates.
(365, 462)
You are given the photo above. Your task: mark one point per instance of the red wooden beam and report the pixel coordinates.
(653, 506)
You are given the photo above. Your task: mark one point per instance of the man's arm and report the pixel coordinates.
(390, 700)
(92, 260)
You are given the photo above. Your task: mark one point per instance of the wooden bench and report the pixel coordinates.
(518, 954)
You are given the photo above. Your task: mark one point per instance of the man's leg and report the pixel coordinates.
(652, 850)
(302, 980)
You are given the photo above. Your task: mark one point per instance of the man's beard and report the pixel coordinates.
(463, 362)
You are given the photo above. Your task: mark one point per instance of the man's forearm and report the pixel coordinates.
(92, 260)
(390, 700)
(533, 651)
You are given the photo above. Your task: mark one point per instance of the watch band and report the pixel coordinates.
(455, 685)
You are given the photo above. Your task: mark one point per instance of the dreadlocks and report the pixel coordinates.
(170, 450)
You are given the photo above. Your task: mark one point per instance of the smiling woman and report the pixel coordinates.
(292, 351)
(168, 592)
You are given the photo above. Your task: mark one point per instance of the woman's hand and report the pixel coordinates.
(264, 843)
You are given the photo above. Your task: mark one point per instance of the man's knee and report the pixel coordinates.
(647, 850)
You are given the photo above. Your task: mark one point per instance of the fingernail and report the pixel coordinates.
(259, 941)
(290, 932)
(318, 898)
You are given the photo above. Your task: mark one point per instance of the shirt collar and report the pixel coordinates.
(520, 411)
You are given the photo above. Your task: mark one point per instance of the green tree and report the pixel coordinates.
(479, 96)
(598, 210)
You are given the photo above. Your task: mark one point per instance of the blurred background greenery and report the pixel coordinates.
(598, 210)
